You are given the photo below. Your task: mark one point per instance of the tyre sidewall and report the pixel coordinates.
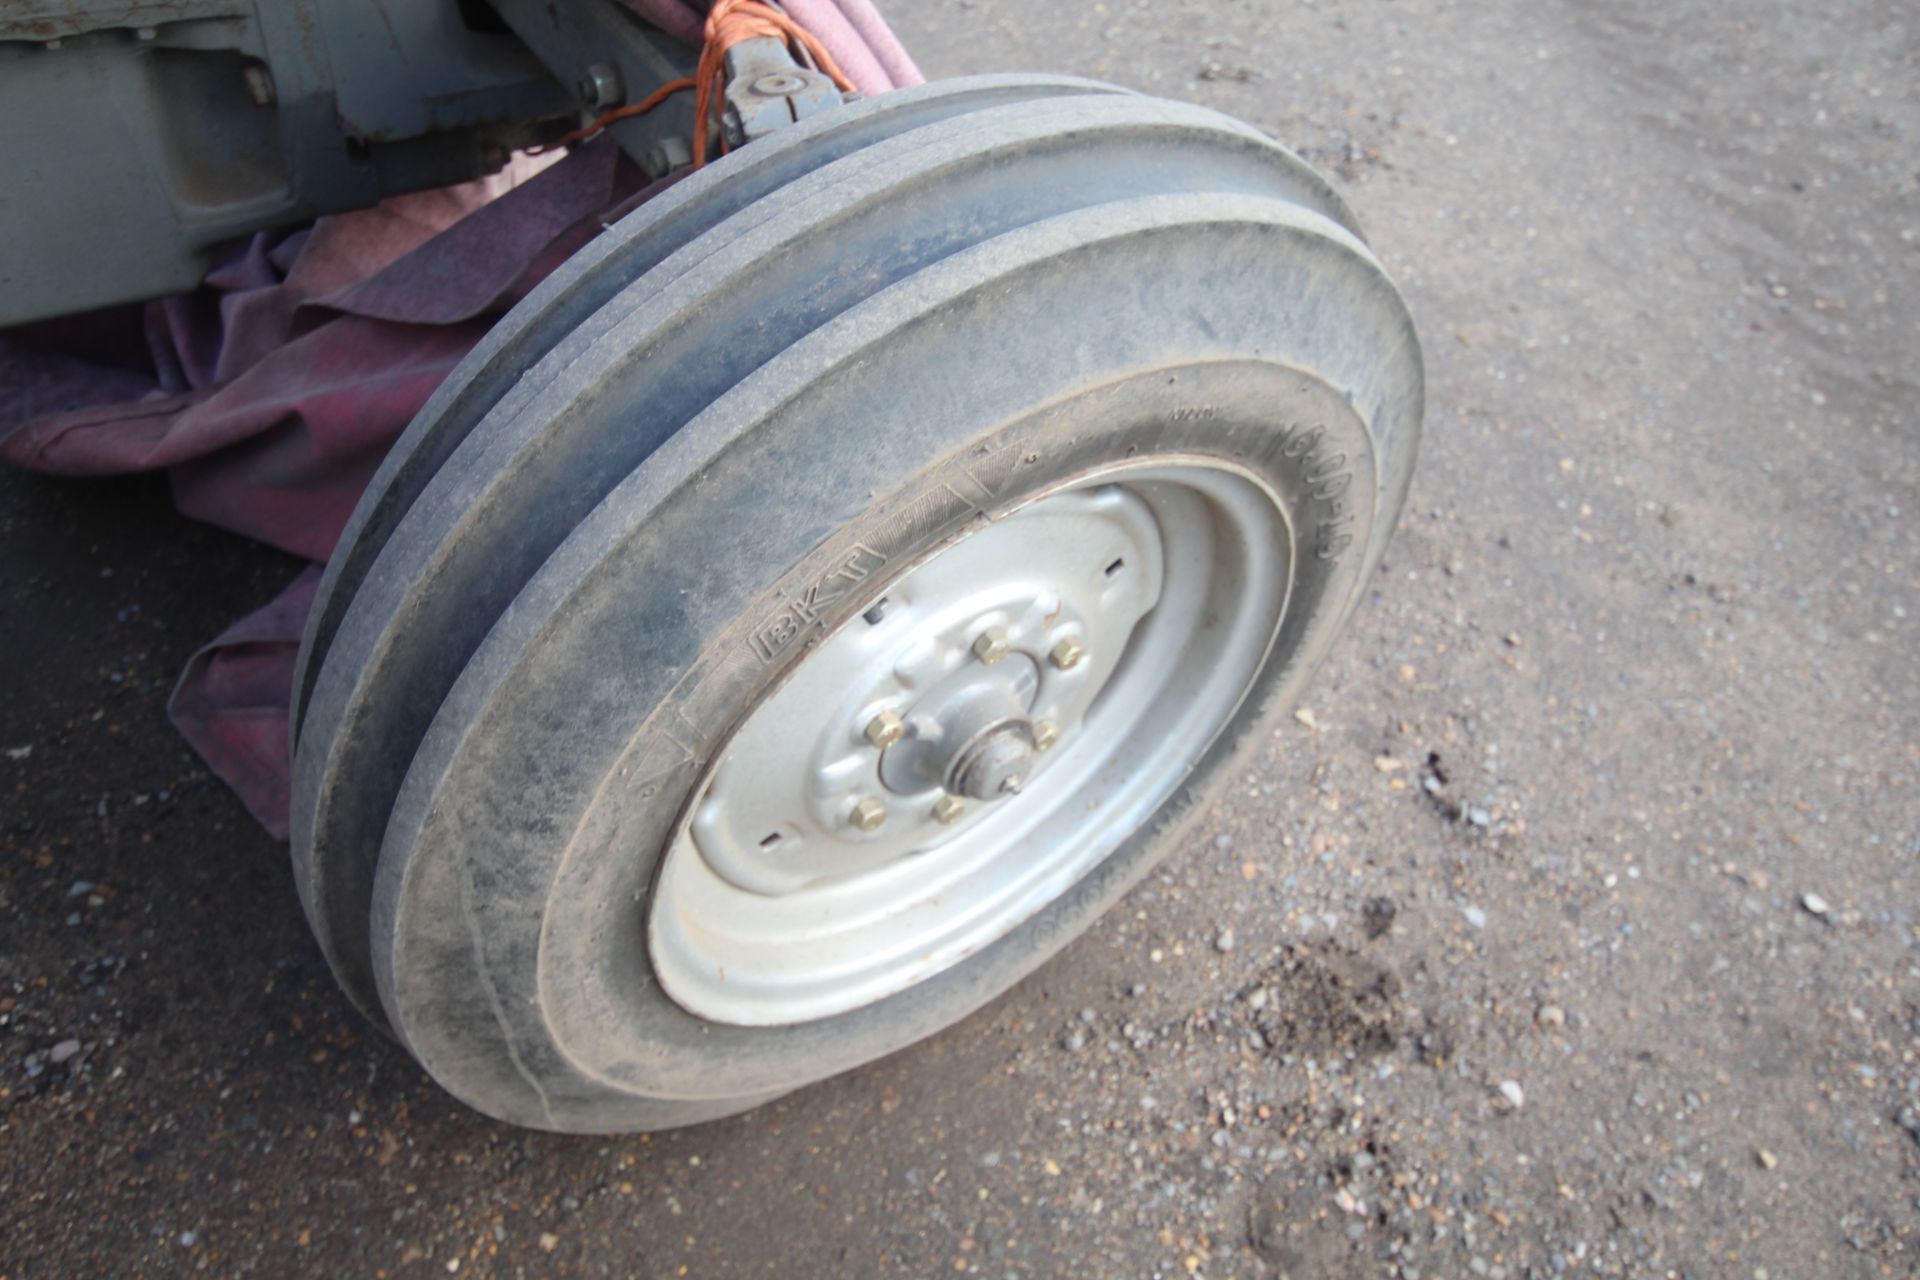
(737, 570)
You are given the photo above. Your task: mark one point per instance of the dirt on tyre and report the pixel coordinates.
(815, 608)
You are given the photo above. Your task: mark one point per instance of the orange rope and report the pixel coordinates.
(618, 114)
(728, 23)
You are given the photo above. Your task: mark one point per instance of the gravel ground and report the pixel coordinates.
(1573, 929)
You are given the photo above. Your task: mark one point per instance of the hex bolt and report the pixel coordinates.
(599, 86)
(1045, 734)
(1067, 654)
(868, 814)
(947, 810)
(991, 645)
(666, 155)
(885, 729)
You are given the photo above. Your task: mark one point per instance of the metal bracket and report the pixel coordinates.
(609, 57)
(768, 90)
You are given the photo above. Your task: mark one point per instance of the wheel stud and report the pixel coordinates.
(885, 729)
(991, 645)
(868, 814)
(1067, 654)
(1045, 734)
(947, 810)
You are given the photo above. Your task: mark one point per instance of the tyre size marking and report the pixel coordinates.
(1328, 477)
(1194, 413)
(791, 620)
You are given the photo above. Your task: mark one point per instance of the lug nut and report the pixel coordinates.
(1067, 654)
(868, 814)
(991, 645)
(885, 729)
(947, 810)
(1045, 734)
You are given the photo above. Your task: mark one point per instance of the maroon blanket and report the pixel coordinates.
(270, 394)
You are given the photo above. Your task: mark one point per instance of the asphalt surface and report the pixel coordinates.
(1573, 928)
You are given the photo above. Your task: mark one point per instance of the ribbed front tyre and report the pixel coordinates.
(823, 599)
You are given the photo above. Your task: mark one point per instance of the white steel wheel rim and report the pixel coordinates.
(780, 901)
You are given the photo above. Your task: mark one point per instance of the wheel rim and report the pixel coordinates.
(967, 746)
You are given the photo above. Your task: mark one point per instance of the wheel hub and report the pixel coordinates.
(947, 761)
(993, 763)
(970, 735)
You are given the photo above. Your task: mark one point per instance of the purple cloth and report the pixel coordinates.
(879, 38)
(274, 390)
(825, 20)
(271, 393)
(231, 703)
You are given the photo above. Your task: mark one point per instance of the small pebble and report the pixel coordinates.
(1516, 1096)
(1475, 917)
(1815, 904)
(1551, 1015)
(1073, 1041)
(63, 1051)
(1766, 1158)
(1224, 943)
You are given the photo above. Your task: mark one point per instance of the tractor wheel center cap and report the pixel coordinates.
(969, 735)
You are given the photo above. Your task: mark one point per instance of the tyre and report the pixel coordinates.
(771, 655)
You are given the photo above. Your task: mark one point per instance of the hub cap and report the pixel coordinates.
(957, 755)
